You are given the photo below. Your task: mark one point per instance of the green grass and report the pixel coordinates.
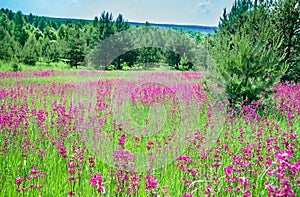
(56, 182)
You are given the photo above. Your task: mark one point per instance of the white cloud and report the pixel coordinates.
(204, 6)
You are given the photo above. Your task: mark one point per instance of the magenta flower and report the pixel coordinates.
(96, 181)
(71, 179)
(72, 171)
(39, 186)
(151, 182)
(247, 193)
(271, 172)
(121, 141)
(91, 161)
(283, 155)
(244, 181)
(150, 142)
(19, 180)
(34, 171)
(183, 158)
(71, 164)
(25, 189)
(228, 170)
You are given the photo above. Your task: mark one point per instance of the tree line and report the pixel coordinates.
(29, 39)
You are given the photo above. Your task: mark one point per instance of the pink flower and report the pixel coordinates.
(96, 181)
(271, 172)
(72, 171)
(71, 179)
(237, 189)
(292, 136)
(187, 195)
(121, 141)
(91, 161)
(71, 164)
(183, 158)
(34, 171)
(193, 171)
(244, 181)
(151, 182)
(228, 170)
(283, 155)
(247, 193)
(150, 142)
(207, 190)
(25, 189)
(19, 180)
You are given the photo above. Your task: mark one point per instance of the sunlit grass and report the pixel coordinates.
(29, 137)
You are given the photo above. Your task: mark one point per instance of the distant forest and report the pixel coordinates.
(30, 39)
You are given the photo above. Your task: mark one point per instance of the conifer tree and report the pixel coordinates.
(247, 52)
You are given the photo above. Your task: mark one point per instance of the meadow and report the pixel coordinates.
(52, 144)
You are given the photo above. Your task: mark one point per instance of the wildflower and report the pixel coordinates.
(121, 141)
(34, 171)
(151, 182)
(71, 179)
(91, 161)
(96, 181)
(71, 164)
(237, 189)
(150, 142)
(207, 190)
(19, 180)
(72, 171)
(244, 181)
(228, 170)
(247, 193)
(271, 172)
(193, 171)
(42, 153)
(25, 189)
(283, 155)
(183, 158)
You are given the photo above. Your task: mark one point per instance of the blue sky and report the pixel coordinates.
(199, 12)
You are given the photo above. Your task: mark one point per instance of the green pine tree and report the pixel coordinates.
(30, 53)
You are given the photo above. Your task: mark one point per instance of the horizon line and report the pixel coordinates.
(89, 19)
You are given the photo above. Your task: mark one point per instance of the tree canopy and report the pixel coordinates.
(257, 43)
